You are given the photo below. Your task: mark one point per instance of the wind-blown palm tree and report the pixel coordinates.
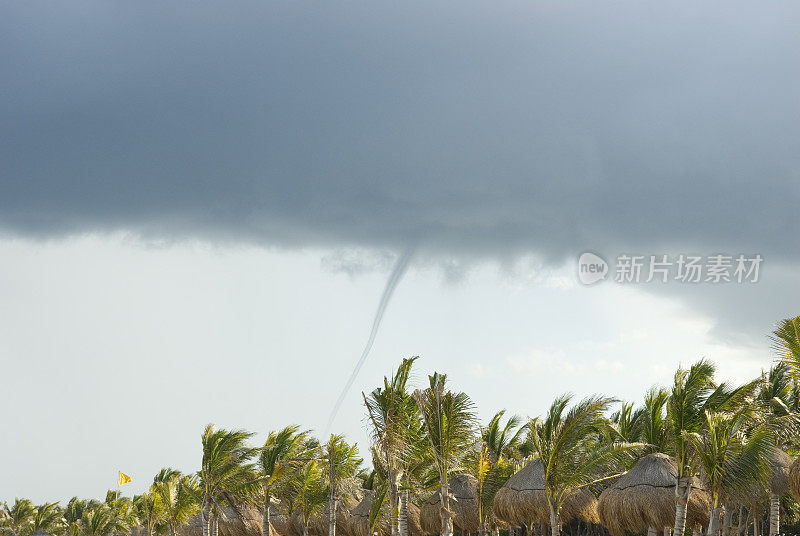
(274, 464)
(449, 423)
(786, 343)
(49, 518)
(394, 420)
(309, 491)
(685, 413)
(18, 518)
(651, 422)
(340, 463)
(493, 464)
(101, 520)
(226, 474)
(734, 460)
(178, 497)
(573, 449)
(149, 510)
(502, 439)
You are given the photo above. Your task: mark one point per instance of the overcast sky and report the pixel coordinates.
(200, 205)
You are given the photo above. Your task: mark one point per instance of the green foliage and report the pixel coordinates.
(573, 446)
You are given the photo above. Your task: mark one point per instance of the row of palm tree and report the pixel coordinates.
(724, 435)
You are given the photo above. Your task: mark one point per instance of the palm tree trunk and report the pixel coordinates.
(651, 531)
(555, 522)
(305, 529)
(727, 520)
(741, 524)
(774, 514)
(215, 527)
(393, 503)
(756, 520)
(332, 517)
(682, 491)
(404, 513)
(697, 531)
(206, 515)
(667, 531)
(713, 521)
(265, 521)
(447, 521)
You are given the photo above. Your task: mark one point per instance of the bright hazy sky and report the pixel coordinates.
(201, 203)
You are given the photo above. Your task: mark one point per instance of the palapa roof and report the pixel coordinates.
(780, 466)
(244, 522)
(463, 505)
(522, 500)
(358, 522)
(781, 480)
(645, 497)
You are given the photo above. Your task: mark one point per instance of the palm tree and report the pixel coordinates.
(226, 474)
(340, 463)
(626, 422)
(786, 343)
(149, 510)
(121, 508)
(492, 464)
(394, 420)
(449, 424)
(177, 494)
(501, 440)
(573, 449)
(100, 520)
(274, 463)
(693, 394)
(685, 406)
(309, 491)
(651, 423)
(49, 518)
(18, 518)
(73, 513)
(733, 460)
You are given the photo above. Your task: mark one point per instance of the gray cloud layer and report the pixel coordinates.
(482, 127)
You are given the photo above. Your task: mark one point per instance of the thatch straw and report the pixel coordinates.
(522, 500)
(645, 497)
(463, 504)
(245, 522)
(794, 478)
(782, 479)
(780, 466)
(319, 524)
(358, 522)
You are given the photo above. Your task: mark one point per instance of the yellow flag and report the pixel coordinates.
(123, 478)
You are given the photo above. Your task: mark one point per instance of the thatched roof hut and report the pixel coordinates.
(645, 497)
(522, 500)
(358, 521)
(320, 523)
(783, 478)
(794, 478)
(245, 522)
(463, 504)
(781, 467)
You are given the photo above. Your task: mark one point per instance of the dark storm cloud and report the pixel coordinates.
(489, 128)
